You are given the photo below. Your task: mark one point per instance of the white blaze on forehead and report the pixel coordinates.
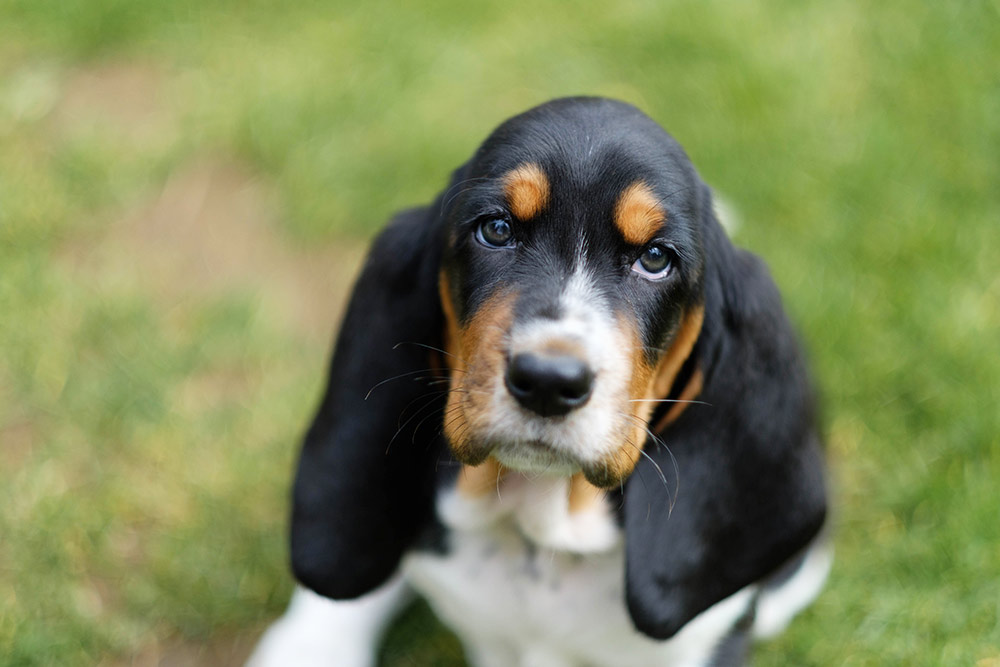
(584, 319)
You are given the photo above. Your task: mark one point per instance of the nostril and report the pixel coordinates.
(577, 381)
(520, 375)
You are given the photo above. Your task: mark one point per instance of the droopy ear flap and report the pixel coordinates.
(365, 486)
(750, 482)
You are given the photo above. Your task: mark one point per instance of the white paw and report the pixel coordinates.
(317, 631)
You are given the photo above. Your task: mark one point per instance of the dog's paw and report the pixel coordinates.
(318, 631)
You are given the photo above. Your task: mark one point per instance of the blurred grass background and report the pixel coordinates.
(186, 188)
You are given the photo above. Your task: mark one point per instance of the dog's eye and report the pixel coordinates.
(495, 233)
(655, 261)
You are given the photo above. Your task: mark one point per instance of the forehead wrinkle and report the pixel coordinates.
(638, 213)
(526, 189)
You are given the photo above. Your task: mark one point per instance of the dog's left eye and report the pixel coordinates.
(495, 233)
(655, 261)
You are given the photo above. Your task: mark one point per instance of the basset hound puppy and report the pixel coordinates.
(565, 410)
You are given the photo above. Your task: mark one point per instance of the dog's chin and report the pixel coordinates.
(539, 458)
(603, 477)
(536, 458)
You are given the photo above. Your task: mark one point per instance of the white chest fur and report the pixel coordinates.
(527, 582)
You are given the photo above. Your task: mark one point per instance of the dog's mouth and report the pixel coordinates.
(535, 456)
(523, 454)
(538, 457)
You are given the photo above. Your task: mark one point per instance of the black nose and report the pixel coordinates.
(549, 385)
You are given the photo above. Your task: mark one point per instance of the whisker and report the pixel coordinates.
(406, 407)
(404, 424)
(472, 391)
(424, 345)
(659, 471)
(673, 460)
(421, 423)
(679, 190)
(677, 472)
(628, 441)
(446, 199)
(667, 400)
(396, 377)
(430, 396)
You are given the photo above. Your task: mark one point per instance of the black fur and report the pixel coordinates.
(750, 471)
(750, 485)
(366, 478)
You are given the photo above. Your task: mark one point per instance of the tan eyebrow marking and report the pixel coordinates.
(638, 214)
(527, 190)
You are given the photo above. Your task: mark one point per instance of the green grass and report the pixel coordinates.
(153, 384)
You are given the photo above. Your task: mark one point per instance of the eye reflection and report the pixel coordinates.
(655, 261)
(495, 233)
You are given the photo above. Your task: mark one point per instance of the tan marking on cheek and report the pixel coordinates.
(649, 383)
(638, 214)
(618, 464)
(679, 351)
(691, 391)
(643, 377)
(582, 494)
(450, 321)
(628, 455)
(477, 363)
(477, 481)
(527, 190)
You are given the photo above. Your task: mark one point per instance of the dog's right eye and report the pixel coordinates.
(495, 233)
(655, 262)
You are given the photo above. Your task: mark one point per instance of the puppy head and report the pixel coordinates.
(571, 284)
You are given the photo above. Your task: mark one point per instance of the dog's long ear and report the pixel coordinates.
(750, 484)
(365, 482)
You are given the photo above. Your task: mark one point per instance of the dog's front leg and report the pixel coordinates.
(318, 631)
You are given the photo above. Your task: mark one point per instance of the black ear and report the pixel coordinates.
(750, 487)
(365, 482)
